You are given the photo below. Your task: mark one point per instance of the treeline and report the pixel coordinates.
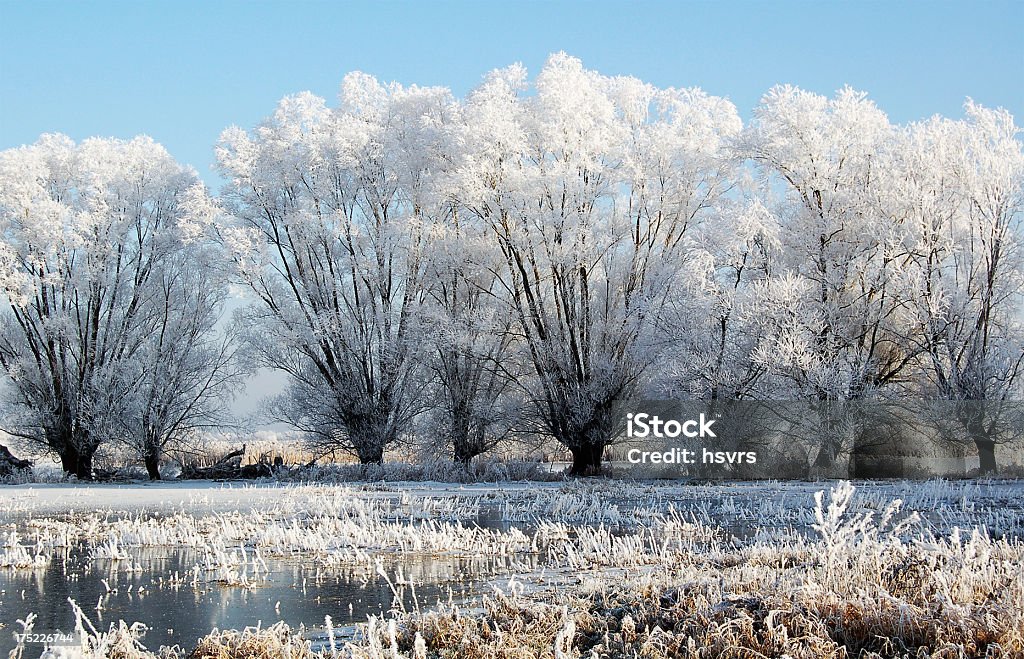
(513, 263)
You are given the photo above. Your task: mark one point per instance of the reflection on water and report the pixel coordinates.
(178, 611)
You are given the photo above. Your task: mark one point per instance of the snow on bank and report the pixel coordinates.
(209, 496)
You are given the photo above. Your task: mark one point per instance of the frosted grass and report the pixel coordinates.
(928, 565)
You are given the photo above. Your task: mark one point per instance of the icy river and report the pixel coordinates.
(178, 611)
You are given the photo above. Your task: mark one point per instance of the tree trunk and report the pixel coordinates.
(462, 447)
(982, 438)
(880, 445)
(368, 435)
(464, 455)
(826, 457)
(370, 453)
(468, 442)
(586, 459)
(77, 461)
(986, 455)
(153, 467)
(10, 464)
(834, 441)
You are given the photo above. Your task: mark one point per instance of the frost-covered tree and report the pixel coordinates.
(711, 325)
(96, 263)
(840, 332)
(473, 357)
(185, 374)
(961, 188)
(831, 156)
(519, 260)
(331, 212)
(590, 187)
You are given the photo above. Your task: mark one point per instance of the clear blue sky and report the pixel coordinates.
(183, 71)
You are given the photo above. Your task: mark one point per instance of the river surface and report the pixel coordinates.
(178, 610)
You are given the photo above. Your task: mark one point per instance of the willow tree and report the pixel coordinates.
(92, 233)
(473, 358)
(835, 329)
(961, 188)
(186, 373)
(591, 186)
(330, 216)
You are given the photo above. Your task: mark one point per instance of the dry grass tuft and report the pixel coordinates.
(274, 642)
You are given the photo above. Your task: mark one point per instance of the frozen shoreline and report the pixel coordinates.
(207, 496)
(174, 493)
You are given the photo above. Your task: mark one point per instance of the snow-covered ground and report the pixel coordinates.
(206, 496)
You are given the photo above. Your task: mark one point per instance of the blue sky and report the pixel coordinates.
(183, 71)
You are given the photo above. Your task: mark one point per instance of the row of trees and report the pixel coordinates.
(112, 301)
(513, 262)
